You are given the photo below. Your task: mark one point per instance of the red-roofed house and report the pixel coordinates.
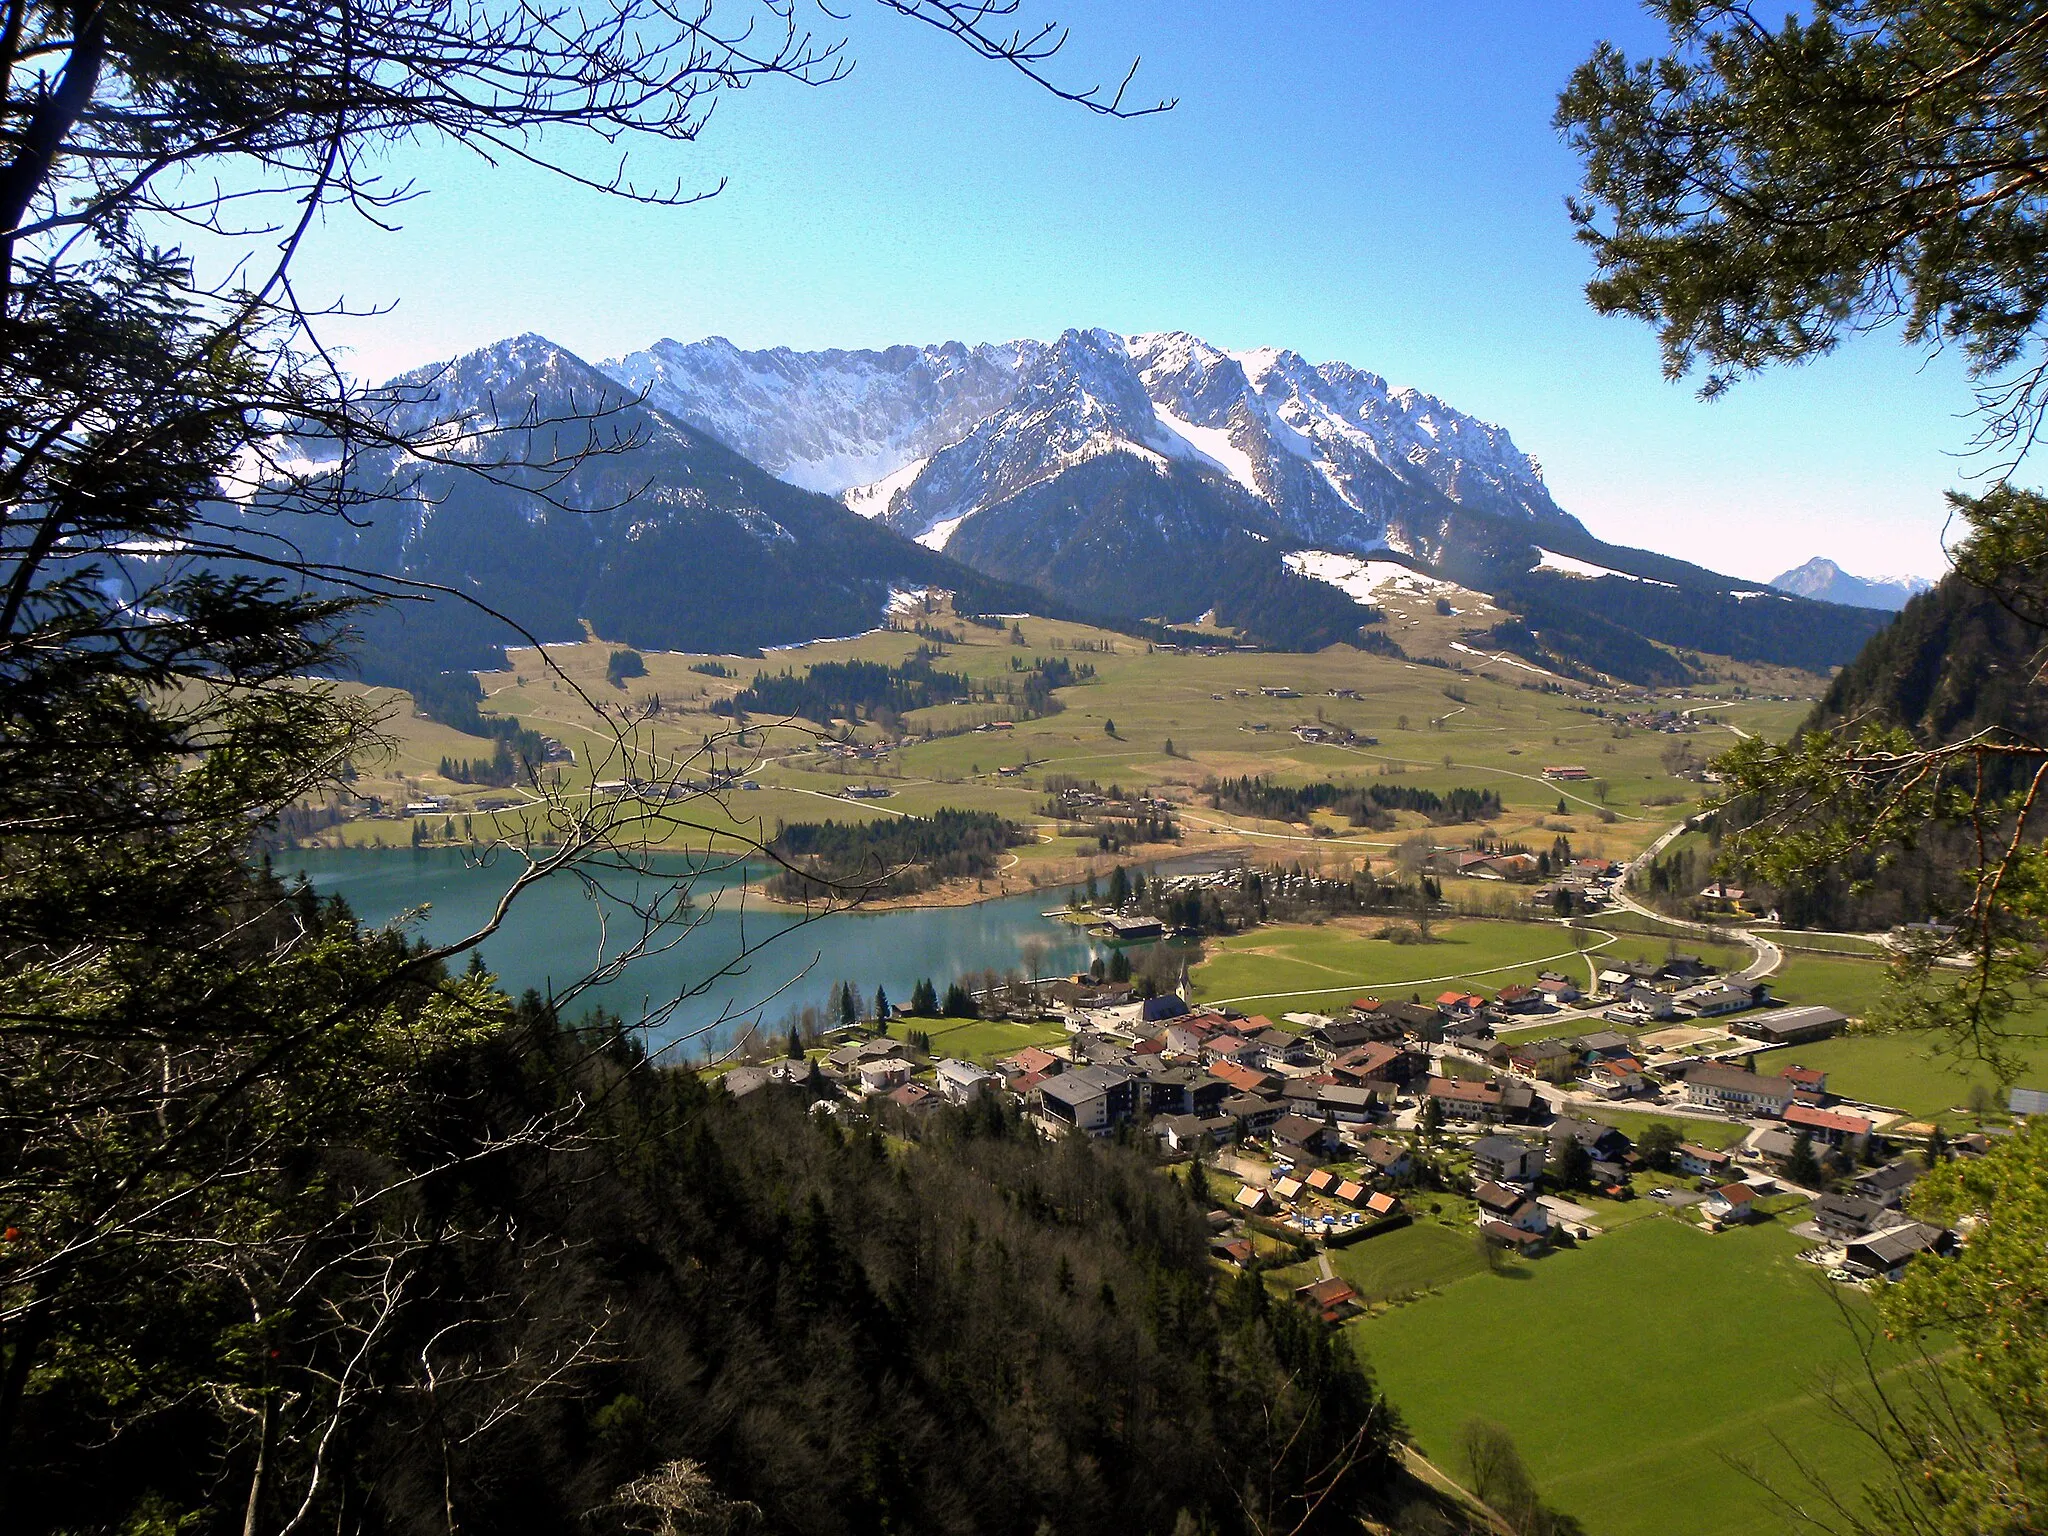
(1037, 1059)
(1241, 1077)
(913, 1095)
(1826, 1125)
(1527, 1244)
(1731, 1203)
(1462, 1099)
(1332, 1300)
(1809, 1083)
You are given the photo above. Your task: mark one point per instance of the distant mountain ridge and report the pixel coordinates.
(664, 538)
(1120, 479)
(1827, 582)
(1159, 476)
(930, 437)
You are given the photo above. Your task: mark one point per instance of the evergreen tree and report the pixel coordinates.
(795, 1048)
(1802, 1167)
(849, 1005)
(1119, 966)
(1571, 1165)
(881, 1005)
(1937, 1148)
(1119, 886)
(960, 1003)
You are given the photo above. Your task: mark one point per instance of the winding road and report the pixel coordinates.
(1765, 957)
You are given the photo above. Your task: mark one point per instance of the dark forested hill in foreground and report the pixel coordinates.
(588, 1267)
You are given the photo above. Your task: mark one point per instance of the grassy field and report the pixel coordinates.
(1423, 1256)
(1727, 957)
(980, 1040)
(1830, 943)
(1298, 967)
(1850, 985)
(1627, 1370)
(1499, 734)
(1901, 1072)
(1708, 1133)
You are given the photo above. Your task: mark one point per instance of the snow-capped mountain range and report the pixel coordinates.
(741, 499)
(930, 438)
(552, 494)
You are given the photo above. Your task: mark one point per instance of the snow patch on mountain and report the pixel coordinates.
(1567, 565)
(1207, 445)
(1504, 658)
(873, 500)
(1366, 580)
(828, 421)
(936, 536)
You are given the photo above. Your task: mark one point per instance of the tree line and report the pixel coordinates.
(892, 856)
(845, 690)
(518, 754)
(1364, 805)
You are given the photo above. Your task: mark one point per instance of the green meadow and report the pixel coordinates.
(1904, 1072)
(1294, 967)
(981, 1040)
(1429, 727)
(1634, 1372)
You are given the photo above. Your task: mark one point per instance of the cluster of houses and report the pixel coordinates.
(1589, 877)
(1198, 1077)
(1798, 1099)
(1315, 1094)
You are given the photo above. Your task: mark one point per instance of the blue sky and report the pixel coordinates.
(1364, 181)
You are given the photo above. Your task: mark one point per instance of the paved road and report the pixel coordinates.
(1766, 957)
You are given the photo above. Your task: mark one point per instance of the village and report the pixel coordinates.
(1317, 1131)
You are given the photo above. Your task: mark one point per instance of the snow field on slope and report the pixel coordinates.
(1207, 445)
(1367, 580)
(1565, 565)
(873, 500)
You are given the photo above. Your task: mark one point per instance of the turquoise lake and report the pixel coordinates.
(558, 931)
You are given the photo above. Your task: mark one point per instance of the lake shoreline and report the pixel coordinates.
(1058, 877)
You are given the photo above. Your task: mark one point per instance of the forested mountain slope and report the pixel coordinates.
(601, 508)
